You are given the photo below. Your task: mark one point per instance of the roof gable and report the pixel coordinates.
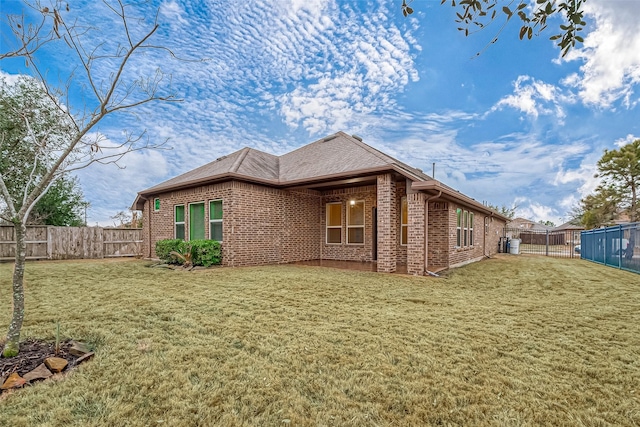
(337, 154)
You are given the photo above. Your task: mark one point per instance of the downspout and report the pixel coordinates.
(426, 231)
(148, 203)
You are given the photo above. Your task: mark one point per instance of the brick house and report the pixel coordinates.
(334, 199)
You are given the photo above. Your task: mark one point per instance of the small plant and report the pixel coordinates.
(184, 254)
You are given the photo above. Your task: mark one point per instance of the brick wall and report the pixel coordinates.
(263, 225)
(416, 233)
(272, 226)
(162, 221)
(387, 223)
(260, 224)
(464, 255)
(344, 251)
(401, 250)
(438, 235)
(493, 231)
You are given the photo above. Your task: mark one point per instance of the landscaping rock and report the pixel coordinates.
(40, 373)
(14, 381)
(79, 348)
(55, 364)
(84, 358)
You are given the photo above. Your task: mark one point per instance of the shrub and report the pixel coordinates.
(165, 247)
(199, 252)
(206, 252)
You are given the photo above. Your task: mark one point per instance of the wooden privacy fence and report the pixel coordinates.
(551, 238)
(48, 242)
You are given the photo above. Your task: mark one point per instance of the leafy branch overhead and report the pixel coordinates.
(475, 15)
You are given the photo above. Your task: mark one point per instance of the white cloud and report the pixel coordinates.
(173, 12)
(537, 212)
(10, 79)
(626, 140)
(534, 97)
(610, 55)
(111, 188)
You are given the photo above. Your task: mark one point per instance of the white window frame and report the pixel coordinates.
(216, 221)
(404, 205)
(458, 228)
(364, 220)
(471, 237)
(332, 227)
(183, 222)
(465, 225)
(156, 202)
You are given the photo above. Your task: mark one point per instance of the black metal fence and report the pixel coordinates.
(617, 246)
(558, 243)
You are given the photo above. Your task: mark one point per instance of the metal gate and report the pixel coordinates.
(562, 243)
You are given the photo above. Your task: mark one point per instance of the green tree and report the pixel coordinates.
(476, 15)
(25, 108)
(62, 205)
(508, 212)
(547, 223)
(599, 209)
(620, 174)
(56, 155)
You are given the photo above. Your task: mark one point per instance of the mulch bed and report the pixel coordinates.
(32, 354)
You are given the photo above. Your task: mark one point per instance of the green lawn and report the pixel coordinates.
(511, 341)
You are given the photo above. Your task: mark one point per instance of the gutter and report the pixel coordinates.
(447, 193)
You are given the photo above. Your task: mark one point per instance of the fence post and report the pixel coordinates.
(620, 240)
(49, 243)
(547, 243)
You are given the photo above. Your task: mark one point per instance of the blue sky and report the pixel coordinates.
(516, 125)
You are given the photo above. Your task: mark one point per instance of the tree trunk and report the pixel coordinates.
(11, 347)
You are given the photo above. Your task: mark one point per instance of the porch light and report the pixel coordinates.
(352, 202)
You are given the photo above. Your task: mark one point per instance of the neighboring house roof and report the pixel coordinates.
(568, 226)
(334, 157)
(527, 224)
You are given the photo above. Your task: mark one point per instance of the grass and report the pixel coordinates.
(511, 341)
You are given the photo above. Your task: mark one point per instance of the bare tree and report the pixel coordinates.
(26, 37)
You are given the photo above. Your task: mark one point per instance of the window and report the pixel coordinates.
(156, 205)
(355, 222)
(179, 221)
(458, 227)
(215, 220)
(196, 221)
(334, 222)
(466, 227)
(404, 221)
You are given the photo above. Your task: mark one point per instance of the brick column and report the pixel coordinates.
(416, 233)
(146, 230)
(387, 233)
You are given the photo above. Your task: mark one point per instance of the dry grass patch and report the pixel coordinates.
(508, 341)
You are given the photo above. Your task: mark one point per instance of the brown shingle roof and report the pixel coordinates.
(335, 155)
